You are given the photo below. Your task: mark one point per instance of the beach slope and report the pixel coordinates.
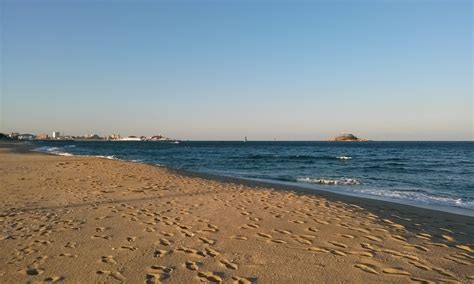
(89, 220)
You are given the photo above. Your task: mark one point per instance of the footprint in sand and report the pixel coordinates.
(241, 280)
(392, 252)
(250, 226)
(187, 233)
(188, 250)
(361, 253)
(422, 248)
(279, 241)
(443, 272)
(318, 249)
(321, 221)
(374, 238)
(68, 255)
(312, 229)
(337, 244)
(347, 236)
(105, 237)
(396, 271)
(303, 241)
(419, 265)
(209, 276)
(164, 242)
(32, 271)
(211, 252)
(157, 273)
(307, 237)
(457, 260)
(263, 235)
(207, 241)
(191, 265)
(54, 279)
(114, 274)
(399, 238)
(43, 242)
(338, 252)
(228, 264)
(71, 245)
(108, 259)
(367, 268)
(370, 247)
(285, 232)
(130, 248)
(160, 253)
(238, 237)
(154, 278)
(421, 280)
(436, 244)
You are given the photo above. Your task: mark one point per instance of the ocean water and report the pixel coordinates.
(438, 175)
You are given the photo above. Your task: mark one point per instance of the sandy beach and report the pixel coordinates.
(91, 220)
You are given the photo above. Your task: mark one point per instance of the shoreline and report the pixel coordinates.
(122, 221)
(308, 189)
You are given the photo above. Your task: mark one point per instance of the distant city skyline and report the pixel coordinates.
(206, 70)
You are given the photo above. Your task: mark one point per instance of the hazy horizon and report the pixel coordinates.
(382, 70)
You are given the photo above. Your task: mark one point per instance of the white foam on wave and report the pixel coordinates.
(416, 197)
(344, 158)
(53, 151)
(111, 157)
(339, 181)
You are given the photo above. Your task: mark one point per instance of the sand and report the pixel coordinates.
(92, 220)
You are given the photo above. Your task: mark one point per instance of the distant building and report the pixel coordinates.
(42, 136)
(113, 137)
(56, 134)
(14, 135)
(26, 137)
(94, 137)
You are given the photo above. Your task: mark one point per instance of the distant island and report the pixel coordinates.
(348, 137)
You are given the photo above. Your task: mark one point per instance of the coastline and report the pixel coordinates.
(374, 240)
(303, 187)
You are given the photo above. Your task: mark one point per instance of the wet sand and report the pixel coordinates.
(91, 220)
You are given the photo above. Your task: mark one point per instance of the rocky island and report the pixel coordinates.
(348, 137)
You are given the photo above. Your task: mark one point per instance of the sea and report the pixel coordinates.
(436, 175)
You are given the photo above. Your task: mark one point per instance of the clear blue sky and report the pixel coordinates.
(221, 70)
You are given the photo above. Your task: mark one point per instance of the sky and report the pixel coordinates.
(222, 70)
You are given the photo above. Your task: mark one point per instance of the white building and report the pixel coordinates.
(55, 134)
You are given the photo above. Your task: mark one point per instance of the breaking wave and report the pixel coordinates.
(324, 181)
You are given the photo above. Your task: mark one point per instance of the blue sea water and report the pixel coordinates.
(426, 174)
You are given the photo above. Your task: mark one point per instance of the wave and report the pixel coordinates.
(290, 157)
(53, 151)
(324, 181)
(60, 152)
(416, 196)
(344, 158)
(110, 157)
